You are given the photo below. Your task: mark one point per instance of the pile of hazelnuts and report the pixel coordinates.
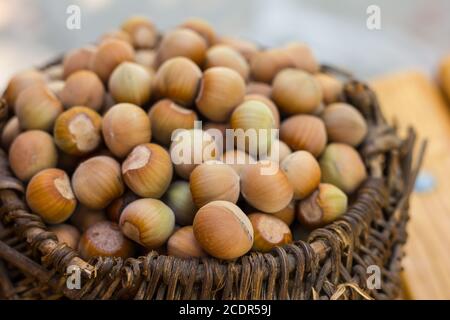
(94, 138)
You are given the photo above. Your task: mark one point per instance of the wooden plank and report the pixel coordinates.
(412, 99)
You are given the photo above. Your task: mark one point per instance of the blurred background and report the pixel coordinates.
(400, 60)
(414, 33)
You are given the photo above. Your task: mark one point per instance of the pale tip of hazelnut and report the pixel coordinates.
(137, 159)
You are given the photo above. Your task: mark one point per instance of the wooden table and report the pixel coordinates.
(412, 99)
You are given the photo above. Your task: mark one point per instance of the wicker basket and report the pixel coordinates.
(332, 264)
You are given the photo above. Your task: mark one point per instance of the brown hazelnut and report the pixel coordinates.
(304, 132)
(67, 234)
(10, 132)
(142, 32)
(225, 56)
(179, 198)
(31, 152)
(202, 27)
(77, 131)
(182, 42)
(83, 88)
(332, 88)
(104, 239)
(244, 47)
(295, 91)
(214, 180)
(178, 79)
(344, 124)
(97, 182)
(117, 122)
(266, 187)
(323, 206)
(223, 230)
(78, 59)
(147, 170)
(182, 244)
(131, 82)
(148, 222)
(20, 82)
(37, 108)
(221, 90)
(166, 117)
(50, 195)
(110, 53)
(269, 232)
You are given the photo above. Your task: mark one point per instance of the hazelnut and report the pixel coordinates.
(77, 131)
(221, 90)
(148, 222)
(287, 214)
(266, 187)
(10, 132)
(78, 59)
(109, 54)
(214, 180)
(37, 108)
(237, 160)
(332, 88)
(295, 91)
(67, 234)
(31, 152)
(302, 57)
(244, 47)
(182, 244)
(266, 64)
(131, 82)
(256, 122)
(225, 56)
(304, 132)
(50, 195)
(142, 32)
(190, 148)
(166, 117)
(147, 170)
(273, 108)
(269, 232)
(116, 128)
(83, 88)
(97, 181)
(344, 124)
(303, 172)
(104, 239)
(343, 167)
(179, 198)
(323, 206)
(178, 79)
(182, 42)
(20, 82)
(116, 34)
(202, 27)
(223, 230)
